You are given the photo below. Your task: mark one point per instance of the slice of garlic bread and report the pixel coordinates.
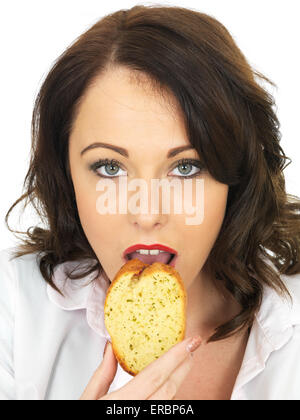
(144, 312)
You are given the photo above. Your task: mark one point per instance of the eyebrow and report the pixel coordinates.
(124, 152)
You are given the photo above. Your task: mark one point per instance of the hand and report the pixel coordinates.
(160, 380)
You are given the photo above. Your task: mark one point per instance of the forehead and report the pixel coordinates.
(123, 107)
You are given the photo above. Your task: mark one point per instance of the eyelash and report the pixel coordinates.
(103, 162)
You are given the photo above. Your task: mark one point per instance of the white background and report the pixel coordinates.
(34, 33)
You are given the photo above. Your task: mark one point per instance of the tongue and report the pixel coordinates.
(162, 257)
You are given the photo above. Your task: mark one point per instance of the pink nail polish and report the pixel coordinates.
(194, 343)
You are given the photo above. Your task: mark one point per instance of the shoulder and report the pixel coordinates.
(10, 263)
(18, 273)
(287, 306)
(13, 266)
(292, 283)
(271, 368)
(9, 289)
(283, 368)
(8, 280)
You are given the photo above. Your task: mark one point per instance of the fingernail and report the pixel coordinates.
(194, 343)
(106, 347)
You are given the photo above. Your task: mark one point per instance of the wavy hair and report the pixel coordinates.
(229, 118)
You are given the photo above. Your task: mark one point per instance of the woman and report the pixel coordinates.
(155, 93)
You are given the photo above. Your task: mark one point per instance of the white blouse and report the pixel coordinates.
(51, 345)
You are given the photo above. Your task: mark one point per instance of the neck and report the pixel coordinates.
(208, 306)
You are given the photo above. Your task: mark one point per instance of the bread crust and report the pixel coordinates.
(136, 267)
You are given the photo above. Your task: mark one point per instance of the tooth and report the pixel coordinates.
(143, 251)
(154, 251)
(149, 252)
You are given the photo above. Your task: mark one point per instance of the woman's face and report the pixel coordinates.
(122, 113)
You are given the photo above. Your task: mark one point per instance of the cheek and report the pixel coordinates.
(203, 236)
(100, 230)
(86, 201)
(214, 221)
(215, 207)
(97, 227)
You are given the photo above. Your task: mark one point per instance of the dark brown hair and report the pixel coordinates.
(229, 119)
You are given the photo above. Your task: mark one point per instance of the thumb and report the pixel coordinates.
(103, 376)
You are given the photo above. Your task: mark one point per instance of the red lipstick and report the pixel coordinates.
(154, 246)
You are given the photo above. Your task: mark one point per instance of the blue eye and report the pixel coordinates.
(106, 168)
(185, 168)
(109, 168)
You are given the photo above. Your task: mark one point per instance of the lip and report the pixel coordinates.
(161, 247)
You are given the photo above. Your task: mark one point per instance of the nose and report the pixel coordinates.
(148, 222)
(145, 209)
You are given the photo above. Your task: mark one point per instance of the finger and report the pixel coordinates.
(151, 378)
(170, 387)
(103, 376)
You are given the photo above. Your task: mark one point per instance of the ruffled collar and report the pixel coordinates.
(81, 294)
